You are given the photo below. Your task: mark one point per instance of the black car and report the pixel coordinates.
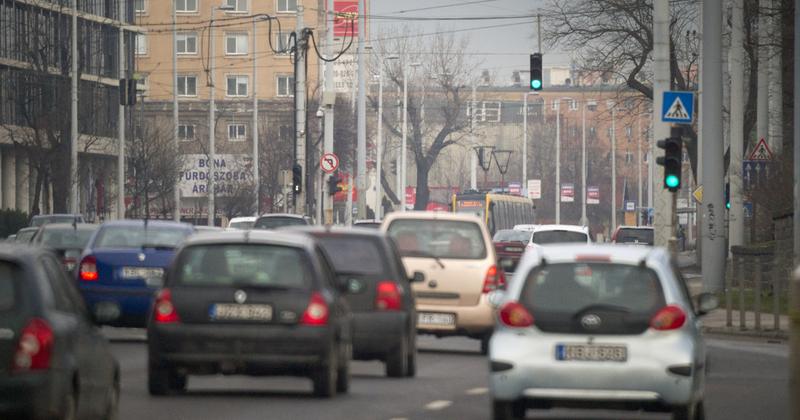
(379, 294)
(54, 363)
(250, 302)
(67, 240)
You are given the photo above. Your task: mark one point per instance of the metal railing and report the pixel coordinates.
(756, 290)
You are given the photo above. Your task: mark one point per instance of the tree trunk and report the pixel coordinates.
(61, 180)
(423, 193)
(37, 193)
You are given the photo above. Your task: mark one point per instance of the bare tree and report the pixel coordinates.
(155, 163)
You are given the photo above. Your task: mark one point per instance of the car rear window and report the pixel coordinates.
(66, 238)
(354, 255)
(642, 236)
(508, 235)
(243, 265)
(242, 225)
(25, 236)
(438, 238)
(138, 237)
(278, 222)
(558, 294)
(8, 293)
(546, 237)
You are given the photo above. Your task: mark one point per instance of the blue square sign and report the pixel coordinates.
(678, 107)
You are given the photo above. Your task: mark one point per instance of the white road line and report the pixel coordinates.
(399, 418)
(438, 405)
(477, 391)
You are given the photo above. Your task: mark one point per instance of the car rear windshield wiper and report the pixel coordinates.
(424, 254)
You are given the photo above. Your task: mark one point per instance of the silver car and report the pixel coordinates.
(598, 326)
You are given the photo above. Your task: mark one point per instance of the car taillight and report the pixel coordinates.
(89, 268)
(317, 311)
(670, 317)
(387, 296)
(164, 311)
(495, 279)
(513, 314)
(34, 347)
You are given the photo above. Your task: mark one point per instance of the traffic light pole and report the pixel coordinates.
(662, 219)
(300, 109)
(328, 101)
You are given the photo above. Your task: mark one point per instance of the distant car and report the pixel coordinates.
(11, 238)
(455, 253)
(556, 234)
(634, 235)
(598, 326)
(25, 235)
(280, 220)
(509, 244)
(380, 295)
(250, 302)
(367, 223)
(206, 229)
(123, 266)
(66, 240)
(54, 364)
(242, 222)
(43, 219)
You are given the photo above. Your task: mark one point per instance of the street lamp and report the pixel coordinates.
(379, 145)
(211, 123)
(525, 140)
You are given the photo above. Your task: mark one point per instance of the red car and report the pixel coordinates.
(509, 245)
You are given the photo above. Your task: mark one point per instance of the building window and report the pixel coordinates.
(141, 44)
(187, 85)
(238, 5)
(610, 133)
(592, 132)
(282, 42)
(186, 6)
(287, 6)
(236, 44)
(573, 105)
(237, 132)
(186, 132)
(629, 132)
(554, 105)
(628, 157)
(237, 85)
(285, 85)
(140, 6)
(592, 106)
(187, 43)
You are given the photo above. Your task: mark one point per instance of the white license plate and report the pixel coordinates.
(152, 275)
(514, 249)
(232, 311)
(426, 318)
(591, 353)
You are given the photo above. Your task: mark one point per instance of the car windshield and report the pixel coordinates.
(43, 220)
(7, 285)
(25, 235)
(66, 238)
(642, 236)
(438, 238)
(354, 255)
(508, 235)
(278, 222)
(546, 237)
(243, 265)
(242, 225)
(139, 237)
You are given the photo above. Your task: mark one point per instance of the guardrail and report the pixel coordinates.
(756, 291)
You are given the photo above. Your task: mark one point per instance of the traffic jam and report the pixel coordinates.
(560, 320)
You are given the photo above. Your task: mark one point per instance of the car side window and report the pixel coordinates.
(327, 269)
(682, 286)
(54, 278)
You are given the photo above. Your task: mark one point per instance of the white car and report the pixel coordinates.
(556, 234)
(598, 326)
(242, 223)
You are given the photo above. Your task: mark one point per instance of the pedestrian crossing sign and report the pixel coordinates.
(761, 152)
(678, 107)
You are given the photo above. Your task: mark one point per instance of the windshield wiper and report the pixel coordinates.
(424, 254)
(249, 285)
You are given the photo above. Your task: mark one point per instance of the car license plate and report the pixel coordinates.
(427, 318)
(591, 353)
(153, 276)
(236, 312)
(513, 249)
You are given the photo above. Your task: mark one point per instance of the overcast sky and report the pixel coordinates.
(502, 45)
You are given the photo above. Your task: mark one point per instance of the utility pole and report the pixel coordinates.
(775, 82)
(639, 169)
(662, 220)
(613, 166)
(379, 147)
(121, 120)
(736, 63)
(361, 121)
(762, 83)
(212, 126)
(256, 179)
(175, 111)
(584, 220)
(713, 236)
(73, 151)
(300, 108)
(796, 165)
(328, 101)
(558, 161)
(473, 165)
(403, 146)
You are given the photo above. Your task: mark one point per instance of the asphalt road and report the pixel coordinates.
(748, 380)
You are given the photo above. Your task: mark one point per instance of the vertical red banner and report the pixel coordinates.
(345, 25)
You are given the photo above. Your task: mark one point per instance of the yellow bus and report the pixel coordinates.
(498, 211)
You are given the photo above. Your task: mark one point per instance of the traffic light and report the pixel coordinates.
(728, 196)
(333, 184)
(297, 178)
(671, 161)
(536, 71)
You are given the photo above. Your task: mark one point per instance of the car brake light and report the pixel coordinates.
(513, 314)
(34, 347)
(387, 296)
(164, 311)
(495, 279)
(317, 311)
(670, 317)
(88, 270)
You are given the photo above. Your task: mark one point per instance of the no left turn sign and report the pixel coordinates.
(329, 162)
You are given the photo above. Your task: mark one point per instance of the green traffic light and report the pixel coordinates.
(536, 84)
(728, 205)
(672, 181)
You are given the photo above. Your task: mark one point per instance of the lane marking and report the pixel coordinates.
(438, 405)
(477, 391)
(399, 418)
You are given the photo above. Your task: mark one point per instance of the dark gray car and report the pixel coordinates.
(54, 363)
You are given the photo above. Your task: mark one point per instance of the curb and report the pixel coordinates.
(736, 332)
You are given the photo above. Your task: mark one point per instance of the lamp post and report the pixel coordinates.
(558, 161)
(525, 140)
(613, 106)
(403, 144)
(379, 145)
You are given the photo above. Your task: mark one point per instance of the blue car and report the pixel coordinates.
(123, 265)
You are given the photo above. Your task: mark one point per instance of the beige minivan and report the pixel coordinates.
(455, 253)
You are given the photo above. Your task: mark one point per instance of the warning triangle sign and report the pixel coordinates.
(761, 152)
(677, 110)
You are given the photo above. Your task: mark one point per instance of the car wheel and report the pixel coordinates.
(164, 380)
(112, 403)
(397, 361)
(343, 373)
(324, 379)
(485, 344)
(507, 410)
(690, 412)
(411, 368)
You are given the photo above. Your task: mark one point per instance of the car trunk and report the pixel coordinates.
(201, 305)
(459, 283)
(111, 264)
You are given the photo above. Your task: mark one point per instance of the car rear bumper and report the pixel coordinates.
(130, 306)
(377, 333)
(475, 321)
(32, 395)
(263, 349)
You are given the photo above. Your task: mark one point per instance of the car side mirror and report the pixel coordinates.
(417, 277)
(706, 302)
(495, 297)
